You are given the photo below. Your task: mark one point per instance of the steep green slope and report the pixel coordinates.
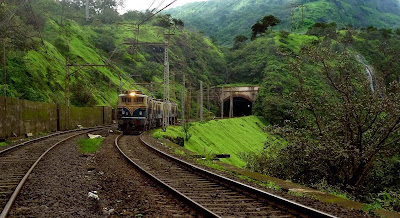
(39, 72)
(232, 136)
(232, 17)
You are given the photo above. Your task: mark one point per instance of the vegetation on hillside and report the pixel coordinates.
(37, 68)
(231, 136)
(316, 93)
(226, 24)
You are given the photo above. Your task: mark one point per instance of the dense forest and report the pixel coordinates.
(225, 23)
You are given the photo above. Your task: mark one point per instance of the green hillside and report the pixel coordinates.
(232, 17)
(318, 95)
(221, 137)
(37, 71)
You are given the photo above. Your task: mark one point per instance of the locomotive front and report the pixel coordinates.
(132, 112)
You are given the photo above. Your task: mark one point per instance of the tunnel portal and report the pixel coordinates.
(241, 107)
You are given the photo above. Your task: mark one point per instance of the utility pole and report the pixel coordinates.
(222, 103)
(166, 82)
(292, 9)
(87, 10)
(201, 100)
(231, 104)
(120, 83)
(189, 103)
(183, 101)
(208, 98)
(166, 89)
(67, 77)
(302, 6)
(5, 87)
(4, 68)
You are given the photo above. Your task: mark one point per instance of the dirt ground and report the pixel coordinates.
(61, 184)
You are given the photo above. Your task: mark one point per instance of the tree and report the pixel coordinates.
(354, 122)
(239, 40)
(323, 30)
(178, 22)
(186, 127)
(262, 25)
(270, 21)
(338, 134)
(258, 28)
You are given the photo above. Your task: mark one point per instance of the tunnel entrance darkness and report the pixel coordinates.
(241, 107)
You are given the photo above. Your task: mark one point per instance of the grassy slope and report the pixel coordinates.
(41, 77)
(230, 136)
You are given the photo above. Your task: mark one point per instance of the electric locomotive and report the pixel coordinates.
(138, 112)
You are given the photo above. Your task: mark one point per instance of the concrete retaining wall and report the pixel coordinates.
(22, 116)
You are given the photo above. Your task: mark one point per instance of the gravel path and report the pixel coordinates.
(127, 192)
(15, 163)
(59, 187)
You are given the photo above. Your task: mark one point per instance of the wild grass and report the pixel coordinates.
(89, 145)
(230, 136)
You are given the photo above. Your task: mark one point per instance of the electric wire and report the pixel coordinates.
(140, 23)
(151, 5)
(144, 14)
(159, 5)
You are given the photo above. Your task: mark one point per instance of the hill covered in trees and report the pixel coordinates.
(224, 19)
(316, 91)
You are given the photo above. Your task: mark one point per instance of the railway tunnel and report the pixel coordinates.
(237, 101)
(241, 107)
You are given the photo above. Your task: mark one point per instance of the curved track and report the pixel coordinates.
(17, 162)
(210, 194)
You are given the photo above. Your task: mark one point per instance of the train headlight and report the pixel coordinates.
(132, 94)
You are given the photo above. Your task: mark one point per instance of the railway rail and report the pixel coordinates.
(210, 194)
(17, 163)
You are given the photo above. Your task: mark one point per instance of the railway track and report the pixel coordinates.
(210, 194)
(17, 162)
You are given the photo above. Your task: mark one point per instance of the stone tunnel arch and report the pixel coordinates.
(242, 106)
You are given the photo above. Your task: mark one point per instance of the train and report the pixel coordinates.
(138, 112)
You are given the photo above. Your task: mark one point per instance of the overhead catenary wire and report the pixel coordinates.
(159, 5)
(144, 14)
(140, 23)
(154, 9)
(151, 5)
